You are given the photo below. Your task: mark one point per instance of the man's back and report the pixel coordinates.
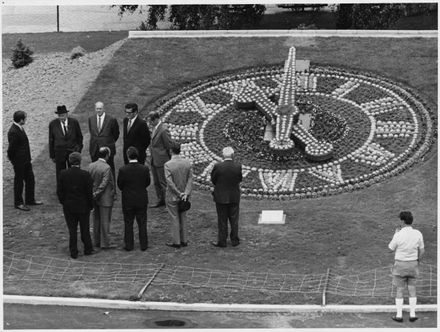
(180, 171)
(133, 180)
(103, 183)
(226, 177)
(75, 190)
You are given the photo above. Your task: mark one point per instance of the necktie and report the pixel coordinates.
(99, 123)
(65, 128)
(129, 125)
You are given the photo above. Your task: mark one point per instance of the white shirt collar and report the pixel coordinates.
(102, 117)
(132, 120)
(133, 161)
(155, 127)
(67, 121)
(18, 125)
(102, 159)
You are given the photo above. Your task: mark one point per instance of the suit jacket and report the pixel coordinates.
(160, 145)
(74, 190)
(138, 136)
(103, 183)
(178, 173)
(108, 135)
(226, 177)
(18, 150)
(133, 180)
(60, 145)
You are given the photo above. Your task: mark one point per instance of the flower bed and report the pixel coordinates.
(377, 128)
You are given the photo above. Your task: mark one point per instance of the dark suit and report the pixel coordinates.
(107, 136)
(138, 136)
(19, 154)
(60, 145)
(133, 180)
(160, 153)
(226, 177)
(74, 192)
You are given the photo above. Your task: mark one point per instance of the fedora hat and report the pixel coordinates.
(61, 109)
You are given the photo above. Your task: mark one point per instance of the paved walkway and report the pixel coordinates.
(21, 316)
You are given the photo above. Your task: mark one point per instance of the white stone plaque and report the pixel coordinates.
(272, 217)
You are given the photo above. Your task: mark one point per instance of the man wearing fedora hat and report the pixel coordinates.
(65, 137)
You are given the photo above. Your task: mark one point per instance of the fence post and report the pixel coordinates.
(58, 18)
(325, 287)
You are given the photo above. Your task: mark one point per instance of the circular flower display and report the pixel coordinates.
(348, 129)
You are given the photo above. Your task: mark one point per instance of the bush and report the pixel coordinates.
(77, 52)
(21, 55)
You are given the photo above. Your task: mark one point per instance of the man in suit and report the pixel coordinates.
(19, 154)
(104, 131)
(226, 177)
(103, 196)
(135, 132)
(133, 180)
(74, 192)
(161, 143)
(65, 137)
(178, 174)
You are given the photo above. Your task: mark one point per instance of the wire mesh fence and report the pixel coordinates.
(373, 283)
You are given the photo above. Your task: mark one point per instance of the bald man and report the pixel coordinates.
(104, 131)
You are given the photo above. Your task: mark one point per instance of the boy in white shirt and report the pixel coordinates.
(407, 244)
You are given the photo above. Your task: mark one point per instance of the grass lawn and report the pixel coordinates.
(49, 42)
(347, 233)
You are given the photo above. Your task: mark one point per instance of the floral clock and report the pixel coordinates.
(300, 134)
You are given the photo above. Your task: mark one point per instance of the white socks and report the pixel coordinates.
(412, 306)
(399, 306)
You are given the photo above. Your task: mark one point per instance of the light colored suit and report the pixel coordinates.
(178, 174)
(161, 142)
(104, 195)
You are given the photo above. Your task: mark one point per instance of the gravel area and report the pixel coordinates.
(50, 80)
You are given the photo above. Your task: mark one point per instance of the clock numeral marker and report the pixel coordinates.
(344, 89)
(382, 105)
(372, 154)
(329, 173)
(283, 180)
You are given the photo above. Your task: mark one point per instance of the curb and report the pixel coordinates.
(284, 33)
(174, 306)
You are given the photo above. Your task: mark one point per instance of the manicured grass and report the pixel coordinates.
(347, 233)
(49, 42)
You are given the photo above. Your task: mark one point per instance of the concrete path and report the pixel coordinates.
(23, 316)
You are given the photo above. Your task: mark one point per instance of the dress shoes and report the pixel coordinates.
(22, 207)
(158, 204)
(88, 253)
(74, 256)
(184, 244)
(126, 249)
(173, 245)
(397, 319)
(143, 249)
(216, 244)
(413, 319)
(235, 244)
(35, 203)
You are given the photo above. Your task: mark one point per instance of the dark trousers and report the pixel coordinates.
(130, 213)
(72, 220)
(160, 182)
(227, 212)
(60, 165)
(24, 178)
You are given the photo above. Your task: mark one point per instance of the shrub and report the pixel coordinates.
(77, 52)
(21, 55)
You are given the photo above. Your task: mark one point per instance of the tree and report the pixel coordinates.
(21, 55)
(205, 17)
(368, 16)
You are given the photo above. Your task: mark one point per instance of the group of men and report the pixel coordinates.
(80, 191)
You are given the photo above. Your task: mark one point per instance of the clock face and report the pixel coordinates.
(377, 128)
